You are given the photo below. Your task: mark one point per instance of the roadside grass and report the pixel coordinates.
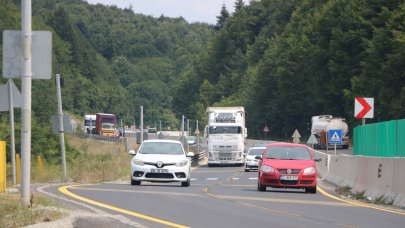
(14, 214)
(347, 192)
(96, 162)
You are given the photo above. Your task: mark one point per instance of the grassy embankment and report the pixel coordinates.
(97, 162)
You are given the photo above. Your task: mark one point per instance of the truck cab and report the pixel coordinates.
(225, 135)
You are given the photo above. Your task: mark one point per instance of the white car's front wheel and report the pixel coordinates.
(186, 183)
(135, 182)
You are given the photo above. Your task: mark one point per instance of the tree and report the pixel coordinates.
(222, 18)
(239, 5)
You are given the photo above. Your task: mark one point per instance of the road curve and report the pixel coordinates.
(227, 197)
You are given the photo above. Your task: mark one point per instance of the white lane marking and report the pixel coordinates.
(235, 178)
(211, 179)
(252, 178)
(193, 179)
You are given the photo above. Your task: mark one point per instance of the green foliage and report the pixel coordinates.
(286, 61)
(111, 60)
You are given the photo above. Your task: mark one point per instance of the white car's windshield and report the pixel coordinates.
(256, 151)
(161, 148)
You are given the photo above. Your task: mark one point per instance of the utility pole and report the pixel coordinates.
(198, 138)
(12, 136)
(182, 129)
(141, 126)
(26, 80)
(188, 134)
(61, 130)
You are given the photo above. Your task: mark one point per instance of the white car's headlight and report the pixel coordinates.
(309, 171)
(138, 162)
(267, 169)
(182, 163)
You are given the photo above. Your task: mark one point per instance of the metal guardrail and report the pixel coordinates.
(105, 139)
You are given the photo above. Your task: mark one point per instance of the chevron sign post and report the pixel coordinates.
(363, 108)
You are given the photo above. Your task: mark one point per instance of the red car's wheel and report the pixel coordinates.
(261, 187)
(311, 190)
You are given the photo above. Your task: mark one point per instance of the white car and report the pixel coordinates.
(160, 161)
(250, 161)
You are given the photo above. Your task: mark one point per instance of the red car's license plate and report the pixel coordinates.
(159, 171)
(293, 178)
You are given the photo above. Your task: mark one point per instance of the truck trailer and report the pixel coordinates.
(225, 135)
(320, 127)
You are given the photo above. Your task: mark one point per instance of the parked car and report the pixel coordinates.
(287, 165)
(250, 159)
(160, 161)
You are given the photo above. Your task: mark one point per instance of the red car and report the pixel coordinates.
(287, 165)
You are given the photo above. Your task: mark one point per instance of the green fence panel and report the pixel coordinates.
(385, 139)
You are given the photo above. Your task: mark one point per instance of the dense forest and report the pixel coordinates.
(284, 61)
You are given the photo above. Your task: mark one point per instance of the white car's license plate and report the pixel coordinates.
(292, 178)
(159, 171)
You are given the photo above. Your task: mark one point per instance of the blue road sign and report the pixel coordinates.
(335, 136)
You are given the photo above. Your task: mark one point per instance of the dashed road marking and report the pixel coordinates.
(212, 179)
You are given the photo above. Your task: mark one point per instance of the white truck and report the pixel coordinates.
(321, 126)
(225, 135)
(89, 124)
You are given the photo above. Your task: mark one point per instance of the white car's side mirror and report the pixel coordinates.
(190, 154)
(132, 152)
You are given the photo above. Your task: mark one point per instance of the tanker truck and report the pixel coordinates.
(321, 126)
(225, 135)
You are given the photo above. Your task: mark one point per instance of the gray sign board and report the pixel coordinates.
(67, 124)
(4, 97)
(41, 54)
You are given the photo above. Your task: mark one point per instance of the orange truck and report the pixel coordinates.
(106, 124)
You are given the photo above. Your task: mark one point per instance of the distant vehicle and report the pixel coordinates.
(152, 131)
(287, 165)
(191, 140)
(89, 124)
(161, 161)
(105, 118)
(250, 160)
(321, 126)
(260, 144)
(225, 135)
(108, 129)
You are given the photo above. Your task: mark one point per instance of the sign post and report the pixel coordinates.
(312, 140)
(296, 136)
(265, 130)
(335, 136)
(363, 108)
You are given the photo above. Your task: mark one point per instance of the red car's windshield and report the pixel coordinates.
(288, 153)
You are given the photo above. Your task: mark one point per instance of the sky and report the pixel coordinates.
(190, 10)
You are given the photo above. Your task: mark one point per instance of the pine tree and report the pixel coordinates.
(239, 4)
(222, 18)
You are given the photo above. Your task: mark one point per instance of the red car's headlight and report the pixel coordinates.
(267, 169)
(309, 171)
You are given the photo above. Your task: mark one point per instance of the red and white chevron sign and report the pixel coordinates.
(363, 107)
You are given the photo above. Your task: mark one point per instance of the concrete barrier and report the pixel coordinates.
(375, 176)
(398, 183)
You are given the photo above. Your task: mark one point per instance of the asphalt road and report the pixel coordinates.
(227, 197)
